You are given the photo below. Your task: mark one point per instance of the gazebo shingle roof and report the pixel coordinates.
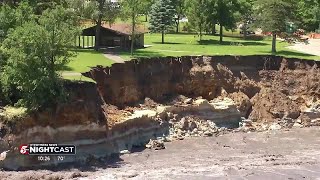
(124, 28)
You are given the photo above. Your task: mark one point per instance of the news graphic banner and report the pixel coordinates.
(47, 149)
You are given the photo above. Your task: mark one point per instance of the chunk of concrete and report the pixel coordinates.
(142, 113)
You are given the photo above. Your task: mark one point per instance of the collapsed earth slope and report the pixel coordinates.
(178, 97)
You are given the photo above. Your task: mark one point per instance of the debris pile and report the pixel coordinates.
(156, 144)
(193, 127)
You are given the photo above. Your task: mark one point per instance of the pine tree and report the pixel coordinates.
(162, 17)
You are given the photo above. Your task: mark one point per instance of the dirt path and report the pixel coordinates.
(69, 73)
(273, 155)
(312, 48)
(114, 57)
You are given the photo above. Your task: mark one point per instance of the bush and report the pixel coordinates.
(255, 37)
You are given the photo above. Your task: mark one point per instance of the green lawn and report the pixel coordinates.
(77, 78)
(85, 59)
(188, 44)
(181, 45)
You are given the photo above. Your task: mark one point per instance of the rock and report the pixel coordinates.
(192, 125)
(76, 175)
(195, 131)
(305, 120)
(125, 151)
(202, 104)
(286, 122)
(155, 144)
(242, 102)
(180, 138)
(184, 123)
(211, 124)
(170, 115)
(247, 123)
(208, 133)
(297, 125)
(162, 109)
(292, 115)
(167, 139)
(275, 126)
(188, 101)
(225, 104)
(315, 122)
(3, 155)
(142, 113)
(159, 146)
(203, 128)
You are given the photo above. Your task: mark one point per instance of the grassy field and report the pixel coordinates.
(85, 59)
(181, 45)
(188, 44)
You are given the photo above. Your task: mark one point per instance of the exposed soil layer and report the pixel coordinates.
(265, 88)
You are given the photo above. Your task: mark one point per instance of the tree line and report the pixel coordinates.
(204, 15)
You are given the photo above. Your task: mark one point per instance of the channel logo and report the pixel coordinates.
(24, 149)
(47, 149)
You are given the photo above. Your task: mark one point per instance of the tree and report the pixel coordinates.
(7, 20)
(131, 10)
(225, 12)
(180, 8)
(272, 16)
(309, 14)
(147, 7)
(162, 17)
(211, 16)
(197, 14)
(35, 51)
(11, 17)
(97, 11)
(246, 15)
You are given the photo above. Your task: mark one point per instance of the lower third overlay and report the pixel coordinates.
(47, 149)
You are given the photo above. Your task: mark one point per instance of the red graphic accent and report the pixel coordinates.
(24, 149)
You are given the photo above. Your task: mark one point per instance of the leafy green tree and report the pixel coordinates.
(211, 17)
(246, 14)
(162, 17)
(309, 14)
(197, 14)
(147, 8)
(180, 6)
(7, 20)
(36, 50)
(10, 17)
(272, 16)
(131, 9)
(225, 13)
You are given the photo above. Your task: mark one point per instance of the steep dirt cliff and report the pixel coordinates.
(178, 96)
(273, 85)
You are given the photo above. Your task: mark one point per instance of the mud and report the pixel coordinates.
(290, 154)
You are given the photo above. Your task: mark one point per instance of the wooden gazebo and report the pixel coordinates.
(116, 36)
